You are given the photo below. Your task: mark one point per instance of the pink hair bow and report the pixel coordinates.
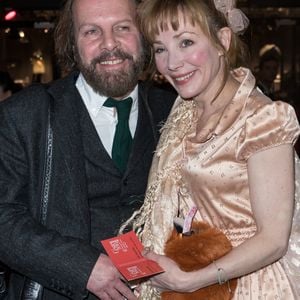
(236, 19)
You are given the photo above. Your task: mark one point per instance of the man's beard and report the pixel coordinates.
(116, 83)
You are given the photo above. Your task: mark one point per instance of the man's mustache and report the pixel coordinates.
(108, 55)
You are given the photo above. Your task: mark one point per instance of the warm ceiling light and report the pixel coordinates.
(10, 15)
(21, 34)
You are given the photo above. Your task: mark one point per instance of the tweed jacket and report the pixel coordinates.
(59, 255)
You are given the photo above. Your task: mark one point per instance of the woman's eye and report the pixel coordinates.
(186, 43)
(158, 50)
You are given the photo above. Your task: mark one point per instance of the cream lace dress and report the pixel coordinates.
(213, 175)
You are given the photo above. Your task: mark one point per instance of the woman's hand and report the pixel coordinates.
(173, 279)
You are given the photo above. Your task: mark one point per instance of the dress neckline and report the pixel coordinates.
(229, 115)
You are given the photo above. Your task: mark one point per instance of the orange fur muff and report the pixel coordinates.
(196, 251)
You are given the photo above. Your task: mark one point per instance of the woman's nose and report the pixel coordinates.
(174, 62)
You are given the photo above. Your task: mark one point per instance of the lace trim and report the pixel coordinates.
(177, 125)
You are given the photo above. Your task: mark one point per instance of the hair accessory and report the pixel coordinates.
(236, 19)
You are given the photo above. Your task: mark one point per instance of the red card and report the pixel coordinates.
(125, 252)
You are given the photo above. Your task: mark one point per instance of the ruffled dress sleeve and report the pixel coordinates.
(271, 125)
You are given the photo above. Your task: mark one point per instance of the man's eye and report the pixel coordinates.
(186, 43)
(123, 28)
(90, 32)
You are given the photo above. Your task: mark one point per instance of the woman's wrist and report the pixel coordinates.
(193, 280)
(204, 277)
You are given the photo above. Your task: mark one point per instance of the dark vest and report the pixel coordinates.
(112, 196)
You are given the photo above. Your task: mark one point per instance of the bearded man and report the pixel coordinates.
(66, 180)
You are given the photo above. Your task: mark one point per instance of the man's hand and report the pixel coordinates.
(105, 281)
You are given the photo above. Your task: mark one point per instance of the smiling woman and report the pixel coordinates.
(230, 151)
(183, 65)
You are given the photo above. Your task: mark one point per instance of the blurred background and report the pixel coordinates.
(26, 43)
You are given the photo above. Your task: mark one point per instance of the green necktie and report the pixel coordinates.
(122, 140)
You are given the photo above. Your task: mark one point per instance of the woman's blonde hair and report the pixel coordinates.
(157, 15)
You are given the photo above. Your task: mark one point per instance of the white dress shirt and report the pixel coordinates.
(105, 118)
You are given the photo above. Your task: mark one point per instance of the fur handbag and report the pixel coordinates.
(196, 251)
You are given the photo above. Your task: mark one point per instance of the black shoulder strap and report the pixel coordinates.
(31, 289)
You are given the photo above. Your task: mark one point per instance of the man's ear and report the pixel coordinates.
(224, 35)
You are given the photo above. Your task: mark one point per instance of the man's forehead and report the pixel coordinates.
(104, 8)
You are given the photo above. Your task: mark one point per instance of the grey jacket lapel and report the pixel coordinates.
(68, 150)
(78, 137)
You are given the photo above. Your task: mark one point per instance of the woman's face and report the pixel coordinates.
(188, 60)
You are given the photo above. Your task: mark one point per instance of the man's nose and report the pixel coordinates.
(110, 41)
